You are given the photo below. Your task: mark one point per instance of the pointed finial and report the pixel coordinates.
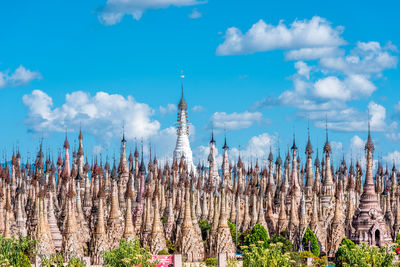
(212, 136)
(225, 147)
(182, 103)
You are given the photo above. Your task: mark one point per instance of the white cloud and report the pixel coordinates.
(356, 146)
(101, 115)
(365, 58)
(198, 108)
(195, 14)
(19, 77)
(311, 53)
(350, 119)
(331, 88)
(201, 153)
(170, 108)
(114, 10)
(313, 33)
(393, 157)
(235, 121)
(303, 69)
(97, 149)
(164, 143)
(258, 147)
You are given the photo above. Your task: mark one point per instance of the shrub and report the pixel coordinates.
(211, 262)
(205, 228)
(16, 252)
(163, 252)
(171, 247)
(258, 236)
(310, 236)
(349, 254)
(52, 260)
(398, 239)
(129, 253)
(76, 262)
(232, 227)
(264, 257)
(287, 245)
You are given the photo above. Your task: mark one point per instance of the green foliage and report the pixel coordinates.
(287, 245)
(264, 257)
(398, 238)
(258, 236)
(163, 252)
(53, 260)
(211, 262)
(310, 236)
(232, 227)
(58, 261)
(16, 252)
(205, 228)
(349, 254)
(163, 219)
(129, 253)
(76, 262)
(171, 247)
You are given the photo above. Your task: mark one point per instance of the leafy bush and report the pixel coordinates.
(205, 228)
(398, 238)
(129, 253)
(76, 262)
(264, 257)
(287, 245)
(163, 252)
(53, 260)
(211, 262)
(349, 254)
(258, 236)
(16, 252)
(232, 227)
(310, 236)
(171, 247)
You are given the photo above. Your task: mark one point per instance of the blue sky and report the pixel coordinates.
(92, 63)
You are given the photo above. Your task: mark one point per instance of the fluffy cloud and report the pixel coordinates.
(19, 77)
(365, 58)
(114, 10)
(350, 119)
(314, 33)
(258, 147)
(170, 108)
(201, 153)
(235, 121)
(195, 14)
(198, 108)
(393, 157)
(101, 115)
(311, 53)
(303, 69)
(357, 146)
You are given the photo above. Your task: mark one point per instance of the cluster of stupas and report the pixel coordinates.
(81, 209)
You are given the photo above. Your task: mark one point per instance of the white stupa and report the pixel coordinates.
(182, 141)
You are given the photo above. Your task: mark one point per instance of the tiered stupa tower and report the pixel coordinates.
(368, 221)
(182, 148)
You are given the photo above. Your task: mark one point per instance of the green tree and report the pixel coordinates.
(310, 238)
(129, 253)
(205, 228)
(265, 257)
(258, 236)
(235, 237)
(287, 245)
(362, 255)
(16, 252)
